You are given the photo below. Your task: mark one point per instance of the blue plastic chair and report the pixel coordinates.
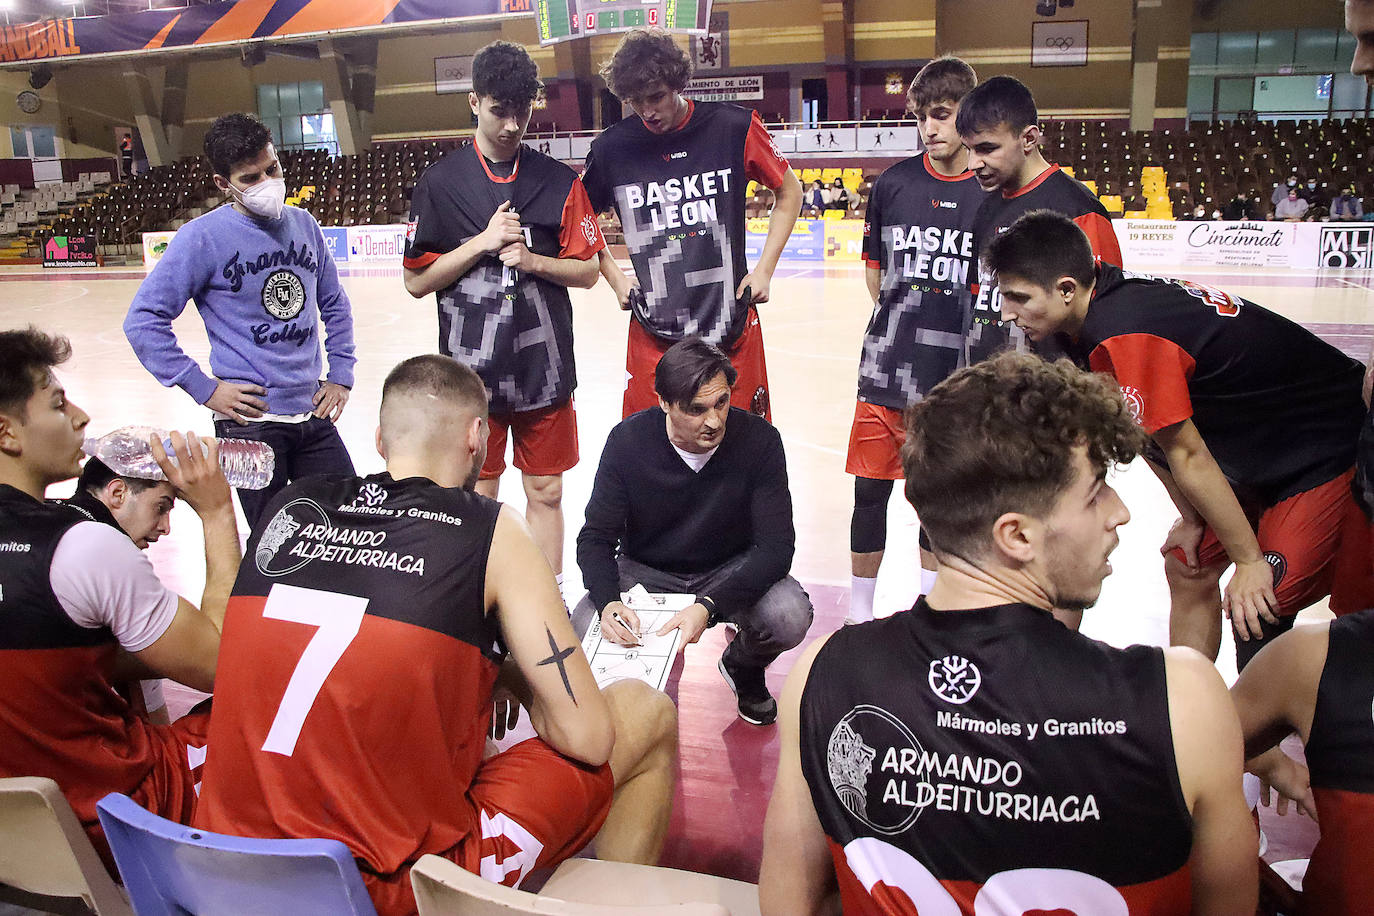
(170, 869)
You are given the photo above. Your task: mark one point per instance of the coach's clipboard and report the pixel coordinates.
(650, 661)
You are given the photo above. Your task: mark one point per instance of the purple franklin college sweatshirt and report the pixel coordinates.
(262, 287)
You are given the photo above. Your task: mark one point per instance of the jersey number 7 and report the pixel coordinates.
(338, 618)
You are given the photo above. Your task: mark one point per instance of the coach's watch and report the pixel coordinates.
(712, 615)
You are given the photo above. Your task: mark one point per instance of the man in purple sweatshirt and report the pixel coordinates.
(262, 279)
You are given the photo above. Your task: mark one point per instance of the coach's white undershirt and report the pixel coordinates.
(695, 460)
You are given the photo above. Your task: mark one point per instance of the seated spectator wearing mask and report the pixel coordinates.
(1347, 205)
(1292, 207)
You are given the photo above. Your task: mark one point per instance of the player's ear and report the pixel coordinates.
(1066, 287)
(1030, 138)
(381, 448)
(9, 435)
(1014, 536)
(118, 491)
(474, 102)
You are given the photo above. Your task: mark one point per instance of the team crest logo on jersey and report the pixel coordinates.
(410, 232)
(758, 404)
(873, 762)
(1278, 564)
(370, 495)
(954, 679)
(1135, 402)
(849, 762)
(589, 229)
(283, 295)
(284, 527)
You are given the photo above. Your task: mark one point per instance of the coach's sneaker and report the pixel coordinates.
(756, 704)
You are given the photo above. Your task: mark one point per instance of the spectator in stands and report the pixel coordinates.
(691, 497)
(1347, 205)
(1281, 190)
(839, 197)
(898, 736)
(815, 199)
(499, 232)
(385, 751)
(81, 606)
(126, 156)
(1240, 207)
(688, 249)
(263, 281)
(1310, 191)
(1292, 208)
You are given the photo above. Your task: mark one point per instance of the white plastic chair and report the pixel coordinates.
(582, 887)
(44, 851)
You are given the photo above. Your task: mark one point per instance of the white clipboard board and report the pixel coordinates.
(650, 661)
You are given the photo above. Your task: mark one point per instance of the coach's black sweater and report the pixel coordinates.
(657, 511)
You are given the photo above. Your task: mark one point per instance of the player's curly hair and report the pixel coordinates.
(234, 138)
(26, 356)
(645, 57)
(505, 72)
(999, 436)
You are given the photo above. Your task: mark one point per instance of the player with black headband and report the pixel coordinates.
(499, 231)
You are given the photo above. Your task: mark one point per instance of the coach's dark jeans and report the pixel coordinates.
(302, 449)
(776, 623)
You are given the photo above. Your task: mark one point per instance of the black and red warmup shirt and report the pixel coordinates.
(356, 666)
(680, 197)
(1278, 407)
(942, 767)
(1340, 757)
(515, 330)
(918, 231)
(1051, 190)
(60, 713)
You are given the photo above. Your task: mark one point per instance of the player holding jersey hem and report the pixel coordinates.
(500, 232)
(918, 253)
(676, 175)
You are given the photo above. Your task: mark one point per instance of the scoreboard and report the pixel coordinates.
(561, 20)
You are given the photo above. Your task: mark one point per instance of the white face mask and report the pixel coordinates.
(267, 198)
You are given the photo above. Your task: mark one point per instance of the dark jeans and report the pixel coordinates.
(776, 623)
(302, 449)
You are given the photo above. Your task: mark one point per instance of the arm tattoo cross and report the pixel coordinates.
(557, 659)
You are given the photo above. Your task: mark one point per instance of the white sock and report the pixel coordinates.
(927, 580)
(861, 598)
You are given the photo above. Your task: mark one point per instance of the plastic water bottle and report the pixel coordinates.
(247, 464)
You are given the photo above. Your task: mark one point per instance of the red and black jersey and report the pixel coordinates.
(943, 768)
(515, 330)
(353, 694)
(680, 197)
(1051, 190)
(918, 231)
(1279, 408)
(60, 714)
(1340, 758)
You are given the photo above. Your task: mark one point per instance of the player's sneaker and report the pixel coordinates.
(756, 704)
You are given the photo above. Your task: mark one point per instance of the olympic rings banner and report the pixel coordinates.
(227, 23)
